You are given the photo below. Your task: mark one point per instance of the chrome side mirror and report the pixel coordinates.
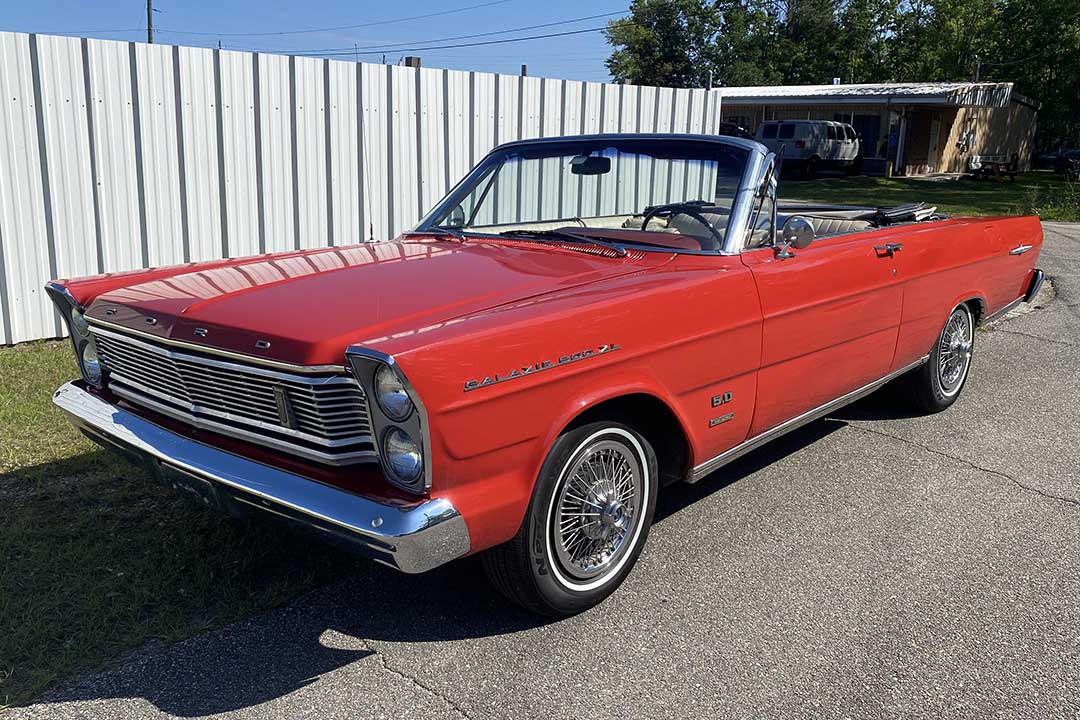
(798, 232)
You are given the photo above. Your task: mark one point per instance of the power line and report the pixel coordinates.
(337, 27)
(381, 47)
(464, 45)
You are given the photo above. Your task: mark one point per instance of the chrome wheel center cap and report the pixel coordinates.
(961, 347)
(613, 516)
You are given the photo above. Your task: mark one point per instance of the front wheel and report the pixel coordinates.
(936, 385)
(588, 519)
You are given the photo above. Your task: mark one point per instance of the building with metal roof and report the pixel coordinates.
(905, 128)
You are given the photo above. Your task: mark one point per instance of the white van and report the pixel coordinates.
(812, 145)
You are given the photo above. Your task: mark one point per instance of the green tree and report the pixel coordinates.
(1036, 45)
(662, 42)
(1033, 43)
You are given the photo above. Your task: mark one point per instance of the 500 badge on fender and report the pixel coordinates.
(540, 366)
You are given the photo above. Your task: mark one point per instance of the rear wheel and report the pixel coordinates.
(936, 385)
(810, 169)
(586, 524)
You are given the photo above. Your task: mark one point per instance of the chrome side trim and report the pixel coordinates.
(809, 416)
(410, 537)
(249, 359)
(1002, 311)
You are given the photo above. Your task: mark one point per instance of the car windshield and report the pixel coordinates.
(676, 194)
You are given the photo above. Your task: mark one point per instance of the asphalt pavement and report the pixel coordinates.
(874, 564)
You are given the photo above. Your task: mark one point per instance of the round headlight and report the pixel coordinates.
(78, 323)
(402, 456)
(391, 394)
(91, 364)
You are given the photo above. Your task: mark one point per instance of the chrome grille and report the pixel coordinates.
(321, 416)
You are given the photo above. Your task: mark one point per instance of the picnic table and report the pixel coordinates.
(996, 166)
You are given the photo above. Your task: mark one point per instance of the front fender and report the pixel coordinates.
(620, 384)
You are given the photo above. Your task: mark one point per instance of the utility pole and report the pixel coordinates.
(978, 68)
(150, 21)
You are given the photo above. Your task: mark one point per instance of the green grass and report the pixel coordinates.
(1035, 193)
(96, 559)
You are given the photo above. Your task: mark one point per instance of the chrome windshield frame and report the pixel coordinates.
(744, 206)
(743, 202)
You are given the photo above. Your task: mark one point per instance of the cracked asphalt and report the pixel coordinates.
(872, 565)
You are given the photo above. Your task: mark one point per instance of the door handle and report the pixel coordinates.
(888, 249)
(1021, 249)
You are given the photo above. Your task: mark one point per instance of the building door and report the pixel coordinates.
(868, 128)
(932, 163)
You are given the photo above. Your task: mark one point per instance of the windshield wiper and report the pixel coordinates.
(560, 233)
(439, 230)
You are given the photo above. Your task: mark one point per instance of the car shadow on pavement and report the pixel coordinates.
(888, 403)
(274, 654)
(679, 496)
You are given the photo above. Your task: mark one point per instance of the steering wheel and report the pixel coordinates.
(671, 209)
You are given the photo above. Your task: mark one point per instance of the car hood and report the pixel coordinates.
(306, 307)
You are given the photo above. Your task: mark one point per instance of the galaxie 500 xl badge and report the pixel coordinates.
(539, 367)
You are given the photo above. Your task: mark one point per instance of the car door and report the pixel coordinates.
(831, 315)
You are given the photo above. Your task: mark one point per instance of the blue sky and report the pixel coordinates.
(579, 57)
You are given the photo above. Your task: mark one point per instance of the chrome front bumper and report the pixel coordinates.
(412, 538)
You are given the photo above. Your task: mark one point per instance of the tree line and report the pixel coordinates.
(1032, 43)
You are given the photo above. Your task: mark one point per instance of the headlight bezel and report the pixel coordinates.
(81, 337)
(365, 364)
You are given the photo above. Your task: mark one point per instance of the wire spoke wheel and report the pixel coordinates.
(598, 509)
(954, 351)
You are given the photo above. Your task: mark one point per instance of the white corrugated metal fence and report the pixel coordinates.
(116, 155)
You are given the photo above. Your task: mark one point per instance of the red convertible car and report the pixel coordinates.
(580, 322)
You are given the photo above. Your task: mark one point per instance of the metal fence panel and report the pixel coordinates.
(25, 242)
(155, 72)
(121, 155)
(310, 152)
(275, 131)
(198, 119)
(114, 145)
(236, 79)
(344, 170)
